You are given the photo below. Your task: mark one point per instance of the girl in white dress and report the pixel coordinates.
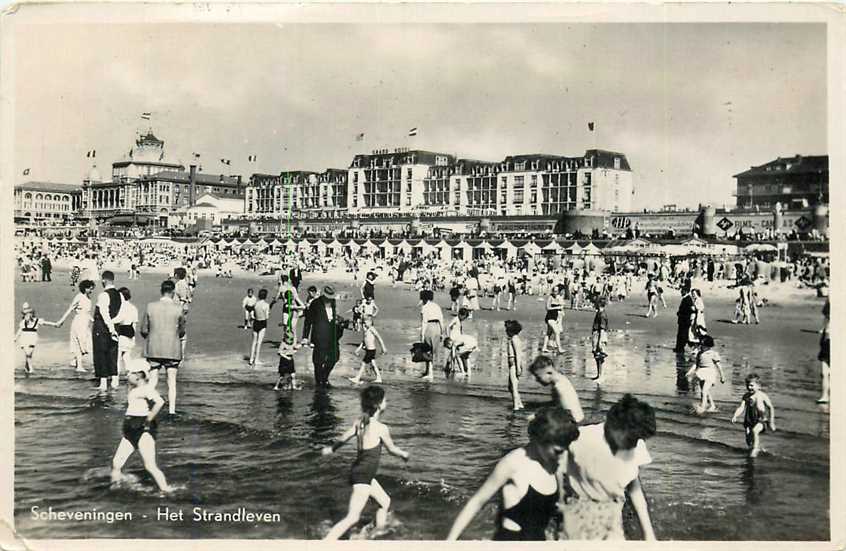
(80, 333)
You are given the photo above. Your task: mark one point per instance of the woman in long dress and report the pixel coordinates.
(80, 332)
(698, 327)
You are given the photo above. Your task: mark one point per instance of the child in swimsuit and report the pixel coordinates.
(515, 361)
(563, 392)
(27, 335)
(287, 373)
(753, 406)
(139, 425)
(370, 338)
(370, 434)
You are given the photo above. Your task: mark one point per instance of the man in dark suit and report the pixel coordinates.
(163, 328)
(326, 331)
(46, 268)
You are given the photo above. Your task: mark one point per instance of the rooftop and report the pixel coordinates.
(54, 187)
(798, 164)
(202, 178)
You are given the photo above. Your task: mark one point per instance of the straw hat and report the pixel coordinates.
(26, 308)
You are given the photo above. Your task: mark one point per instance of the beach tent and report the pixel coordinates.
(404, 247)
(591, 249)
(261, 242)
(530, 248)
(424, 248)
(575, 248)
(761, 247)
(482, 249)
(351, 247)
(387, 248)
(369, 247)
(290, 244)
(462, 251)
(509, 248)
(335, 247)
(303, 245)
(444, 249)
(552, 246)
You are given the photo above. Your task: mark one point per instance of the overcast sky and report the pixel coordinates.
(688, 104)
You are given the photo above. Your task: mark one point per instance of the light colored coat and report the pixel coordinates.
(162, 327)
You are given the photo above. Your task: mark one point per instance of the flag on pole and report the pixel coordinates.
(251, 158)
(91, 154)
(590, 126)
(360, 137)
(226, 161)
(26, 172)
(413, 131)
(146, 116)
(196, 155)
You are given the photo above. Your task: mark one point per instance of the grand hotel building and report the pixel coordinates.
(408, 182)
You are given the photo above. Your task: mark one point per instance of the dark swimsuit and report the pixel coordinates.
(134, 427)
(753, 415)
(532, 513)
(366, 464)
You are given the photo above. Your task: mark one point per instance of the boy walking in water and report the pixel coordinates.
(543, 369)
(753, 406)
(599, 336)
(370, 337)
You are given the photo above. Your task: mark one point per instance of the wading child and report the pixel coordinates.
(707, 369)
(369, 339)
(287, 373)
(515, 361)
(370, 434)
(599, 337)
(248, 304)
(563, 393)
(369, 309)
(139, 425)
(753, 406)
(261, 313)
(27, 335)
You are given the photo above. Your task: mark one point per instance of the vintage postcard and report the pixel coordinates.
(397, 273)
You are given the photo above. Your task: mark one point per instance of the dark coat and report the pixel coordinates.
(325, 334)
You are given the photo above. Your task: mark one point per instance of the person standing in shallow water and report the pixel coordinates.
(603, 468)
(370, 434)
(104, 333)
(527, 480)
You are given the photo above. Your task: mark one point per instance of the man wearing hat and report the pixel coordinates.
(326, 331)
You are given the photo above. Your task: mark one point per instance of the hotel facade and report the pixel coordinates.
(406, 182)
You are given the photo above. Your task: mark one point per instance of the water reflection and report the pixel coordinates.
(322, 418)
